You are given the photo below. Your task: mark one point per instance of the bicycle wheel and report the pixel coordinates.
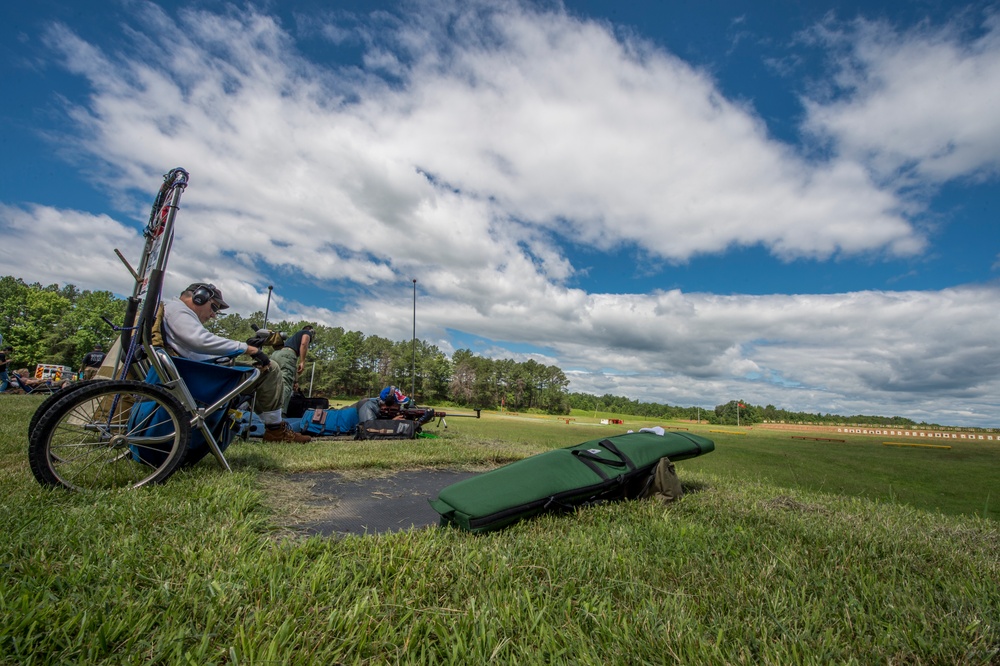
(112, 434)
(51, 399)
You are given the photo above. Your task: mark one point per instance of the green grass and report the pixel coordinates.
(782, 552)
(963, 480)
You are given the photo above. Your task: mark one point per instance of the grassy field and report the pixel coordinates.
(782, 552)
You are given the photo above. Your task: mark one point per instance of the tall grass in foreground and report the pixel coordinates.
(738, 571)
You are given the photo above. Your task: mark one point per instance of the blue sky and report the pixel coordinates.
(786, 203)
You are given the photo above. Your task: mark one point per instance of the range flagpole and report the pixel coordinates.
(413, 346)
(267, 308)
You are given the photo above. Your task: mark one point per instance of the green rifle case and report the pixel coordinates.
(606, 469)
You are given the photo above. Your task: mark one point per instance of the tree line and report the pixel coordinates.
(744, 413)
(55, 324)
(734, 412)
(59, 325)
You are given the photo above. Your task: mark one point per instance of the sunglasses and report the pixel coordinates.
(215, 307)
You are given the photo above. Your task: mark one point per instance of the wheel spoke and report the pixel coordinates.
(115, 434)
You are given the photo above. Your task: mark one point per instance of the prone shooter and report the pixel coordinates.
(394, 405)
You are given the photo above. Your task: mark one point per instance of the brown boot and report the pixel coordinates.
(282, 433)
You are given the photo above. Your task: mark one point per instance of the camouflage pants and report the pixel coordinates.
(288, 363)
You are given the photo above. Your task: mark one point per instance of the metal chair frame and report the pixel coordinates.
(137, 355)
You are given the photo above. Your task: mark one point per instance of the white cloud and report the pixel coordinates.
(489, 150)
(917, 106)
(556, 122)
(612, 142)
(56, 246)
(907, 353)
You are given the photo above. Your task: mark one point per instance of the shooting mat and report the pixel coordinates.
(338, 506)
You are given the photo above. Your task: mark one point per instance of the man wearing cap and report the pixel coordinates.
(92, 362)
(184, 331)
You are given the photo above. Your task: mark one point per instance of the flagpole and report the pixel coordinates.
(413, 346)
(267, 308)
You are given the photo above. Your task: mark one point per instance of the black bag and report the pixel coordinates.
(298, 404)
(386, 429)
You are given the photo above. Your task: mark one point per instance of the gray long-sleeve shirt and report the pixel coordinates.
(189, 337)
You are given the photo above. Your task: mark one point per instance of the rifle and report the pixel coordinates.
(421, 415)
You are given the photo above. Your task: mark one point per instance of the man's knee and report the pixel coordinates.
(269, 388)
(272, 373)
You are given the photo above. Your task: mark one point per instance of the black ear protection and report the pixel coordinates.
(202, 294)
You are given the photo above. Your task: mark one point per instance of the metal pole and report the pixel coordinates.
(267, 308)
(311, 378)
(413, 345)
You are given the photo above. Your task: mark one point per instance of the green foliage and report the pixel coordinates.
(55, 325)
(622, 405)
(489, 383)
(737, 412)
(726, 414)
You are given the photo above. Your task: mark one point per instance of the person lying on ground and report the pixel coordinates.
(371, 408)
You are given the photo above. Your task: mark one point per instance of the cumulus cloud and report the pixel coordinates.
(915, 106)
(54, 246)
(610, 141)
(476, 158)
(873, 352)
(548, 120)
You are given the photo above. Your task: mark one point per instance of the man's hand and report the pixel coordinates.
(259, 357)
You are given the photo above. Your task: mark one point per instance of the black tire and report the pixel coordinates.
(108, 435)
(51, 399)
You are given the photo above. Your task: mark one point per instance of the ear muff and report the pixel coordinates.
(203, 294)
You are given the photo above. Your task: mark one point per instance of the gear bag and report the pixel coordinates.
(386, 429)
(600, 470)
(663, 483)
(298, 404)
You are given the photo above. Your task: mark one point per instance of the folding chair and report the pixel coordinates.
(159, 412)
